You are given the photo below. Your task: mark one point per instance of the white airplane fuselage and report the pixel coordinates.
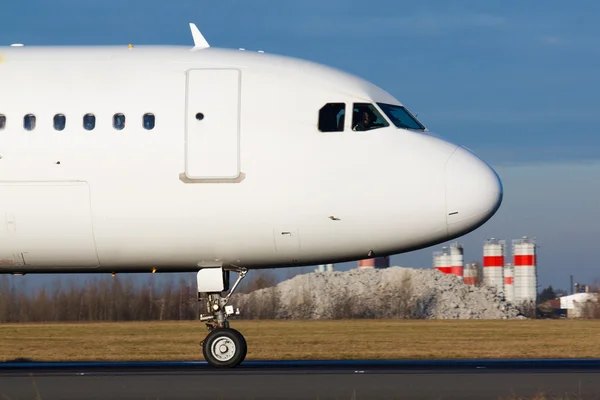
(252, 182)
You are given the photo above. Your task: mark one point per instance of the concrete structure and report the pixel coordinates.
(524, 260)
(377, 262)
(493, 263)
(457, 260)
(325, 268)
(441, 261)
(509, 287)
(471, 274)
(450, 260)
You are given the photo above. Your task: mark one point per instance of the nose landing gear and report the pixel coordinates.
(223, 347)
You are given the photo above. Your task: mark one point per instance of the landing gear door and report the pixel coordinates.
(212, 124)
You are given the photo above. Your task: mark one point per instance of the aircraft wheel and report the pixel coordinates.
(224, 348)
(245, 348)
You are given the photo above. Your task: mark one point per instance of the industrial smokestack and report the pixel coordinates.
(493, 263)
(325, 268)
(376, 262)
(525, 263)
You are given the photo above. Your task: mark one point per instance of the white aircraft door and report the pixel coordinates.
(212, 124)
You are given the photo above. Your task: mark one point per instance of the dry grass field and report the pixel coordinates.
(346, 339)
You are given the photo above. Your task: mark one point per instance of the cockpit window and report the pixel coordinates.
(331, 117)
(2, 122)
(365, 117)
(401, 117)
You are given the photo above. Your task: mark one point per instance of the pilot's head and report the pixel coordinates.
(366, 116)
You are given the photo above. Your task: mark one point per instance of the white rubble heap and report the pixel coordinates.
(393, 292)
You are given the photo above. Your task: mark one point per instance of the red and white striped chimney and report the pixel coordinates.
(441, 261)
(493, 263)
(376, 262)
(456, 260)
(471, 274)
(524, 259)
(509, 287)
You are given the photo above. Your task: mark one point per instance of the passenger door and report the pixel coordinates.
(212, 124)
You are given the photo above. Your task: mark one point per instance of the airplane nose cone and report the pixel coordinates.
(473, 192)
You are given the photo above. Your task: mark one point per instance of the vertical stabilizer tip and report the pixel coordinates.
(199, 41)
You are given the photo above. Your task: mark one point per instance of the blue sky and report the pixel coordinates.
(516, 82)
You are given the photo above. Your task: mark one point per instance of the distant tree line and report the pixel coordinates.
(113, 299)
(117, 298)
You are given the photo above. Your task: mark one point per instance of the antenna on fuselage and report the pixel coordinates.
(199, 41)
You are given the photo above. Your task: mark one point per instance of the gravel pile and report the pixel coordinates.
(377, 293)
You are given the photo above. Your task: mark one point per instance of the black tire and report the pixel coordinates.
(224, 348)
(245, 348)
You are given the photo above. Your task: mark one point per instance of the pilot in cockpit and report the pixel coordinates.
(363, 120)
(366, 117)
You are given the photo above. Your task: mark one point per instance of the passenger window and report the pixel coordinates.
(60, 121)
(2, 122)
(366, 117)
(331, 117)
(89, 122)
(29, 122)
(149, 121)
(118, 121)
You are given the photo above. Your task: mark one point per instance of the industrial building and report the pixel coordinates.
(575, 303)
(325, 268)
(375, 262)
(509, 282)
(450, 260)
(494, 255)
(517, 280)
(471, 274)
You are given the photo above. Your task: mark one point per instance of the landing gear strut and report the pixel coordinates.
(223, 347)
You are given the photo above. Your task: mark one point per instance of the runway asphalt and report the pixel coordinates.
(362, 379)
